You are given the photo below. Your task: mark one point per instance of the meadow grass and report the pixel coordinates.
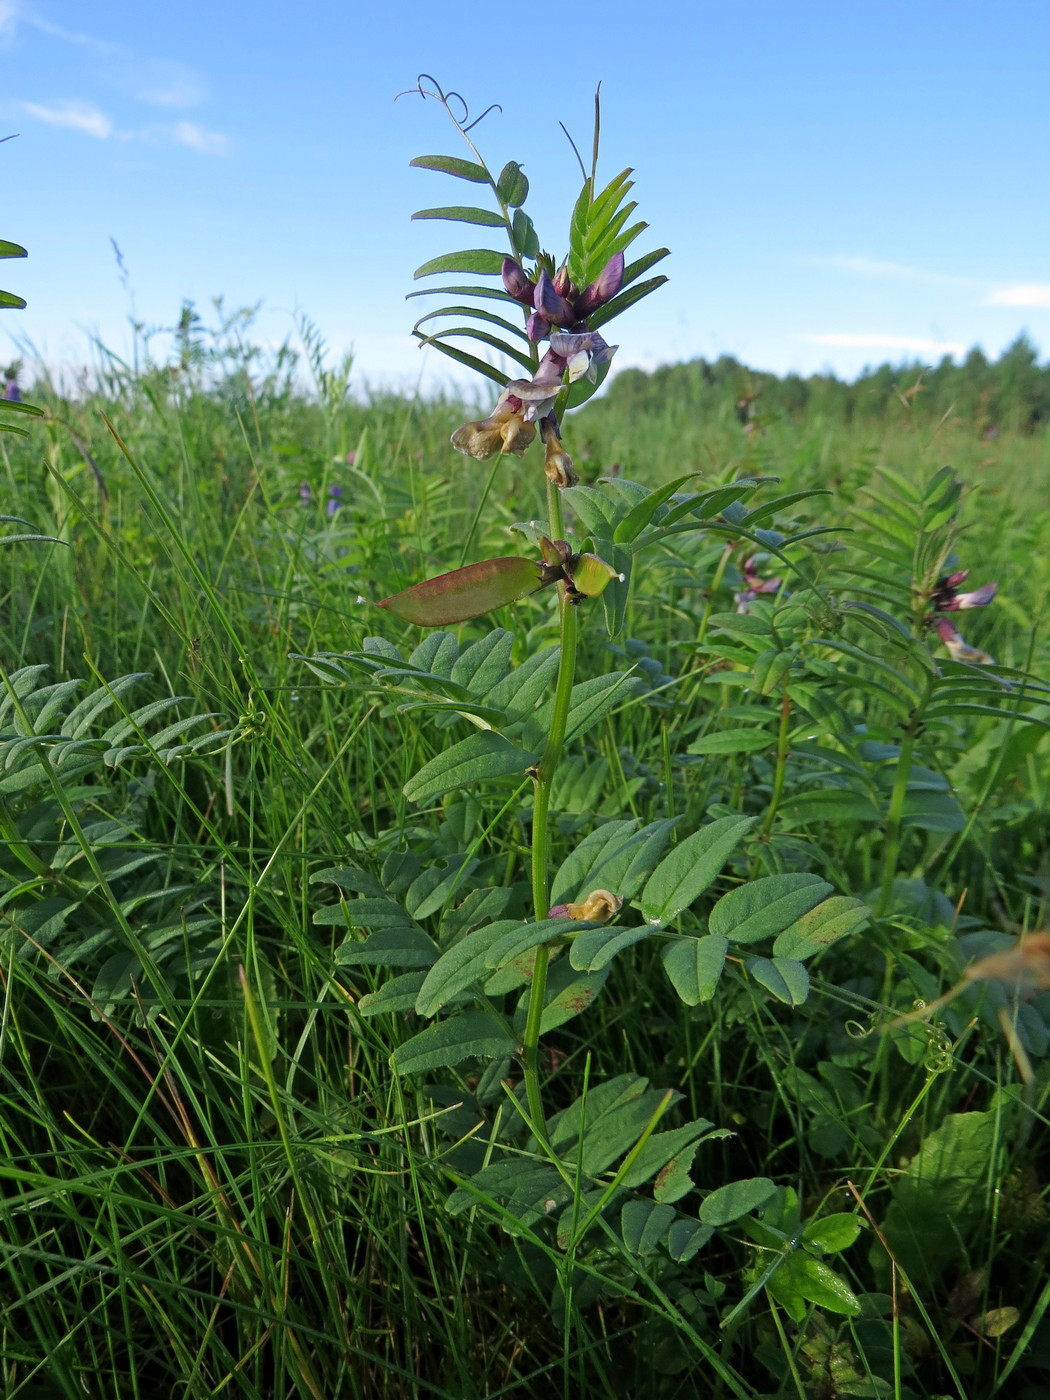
(215, 1184)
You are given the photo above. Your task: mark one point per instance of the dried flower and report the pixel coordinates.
(598, 908)
(958, 648)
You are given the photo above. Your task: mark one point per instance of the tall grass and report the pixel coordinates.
(213, 1182)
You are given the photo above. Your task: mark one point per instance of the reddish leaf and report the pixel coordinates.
(465, 593)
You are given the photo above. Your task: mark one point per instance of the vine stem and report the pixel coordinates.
(545, 772)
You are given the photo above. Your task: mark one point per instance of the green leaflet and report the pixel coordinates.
(692, 866)
(479, 757)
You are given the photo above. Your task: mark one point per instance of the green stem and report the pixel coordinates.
(545, 771)
(782, 757)
(894, 821)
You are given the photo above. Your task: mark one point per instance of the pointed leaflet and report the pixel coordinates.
(512, 185)
(694, 966)
(481, 260)
(820, 927)
(763, 908)
(462, 214)
(474, 1035)
(465, 593)
(786, 979)
(464, 358)
(692, 866)
(482, 755)
(522, 358)
(452, 165)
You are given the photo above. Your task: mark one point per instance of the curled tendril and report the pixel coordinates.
(438, 93)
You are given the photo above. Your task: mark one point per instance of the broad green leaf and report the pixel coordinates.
(484, 662)
(832, 1234)
(12, 250)
(10, 302)
(821, 927)
(481, 756)
(519, 692)
(643, 1225)
(686, 1238)
(830, 805)
(586, 863)
(526, 239)
(458, 967)
(694, 966)
(518, 937)
(406, 946)
(370, 912)
(569, 994)
(472, 1035)
(465, 593)
(613, 1116)
(763, 908)
(727, 741)
(691, 867)
(398, 994)
(596, 948)
(452, 165)
(665, 1160)
(462, 214)
(530, 1190)
(482, 260)
(739, 1198)
(786, 979)
(801, 1276)
(512, 185)
(591, 700)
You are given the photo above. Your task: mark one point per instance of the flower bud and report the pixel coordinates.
(603, 289)
(516, 282)
(561, 283)
(550, 303)
(537, 327)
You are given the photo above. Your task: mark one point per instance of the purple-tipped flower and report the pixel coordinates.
(583, 352)
(947, 598)
(603, 289)
(517, 284)
(550, 304)
(12, 393)
(562, 285)
(754, 584)
(335, 499)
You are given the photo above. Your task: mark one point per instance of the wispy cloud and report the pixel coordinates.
(909, 344)
(862, 266)
(77, 116)
(1020, 294)
(197, 138)
(158, 82)
(71, 36)
(8, 21)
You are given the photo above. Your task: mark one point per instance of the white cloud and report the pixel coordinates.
(78, 116)
(901, 272)
(196, 138)
(908, 343)
(159, 82)
(69, 36)
(1021, 294)
(8, 19)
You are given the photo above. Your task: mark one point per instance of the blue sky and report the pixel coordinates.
(839, 184)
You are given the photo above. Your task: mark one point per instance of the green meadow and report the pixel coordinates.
(232, 1162)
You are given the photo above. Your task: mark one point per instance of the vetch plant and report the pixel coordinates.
(622, 883)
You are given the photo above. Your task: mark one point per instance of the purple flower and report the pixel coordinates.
(12, 393)
(305, 494)
(550, 304)
(947, 598)
(335, 499)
